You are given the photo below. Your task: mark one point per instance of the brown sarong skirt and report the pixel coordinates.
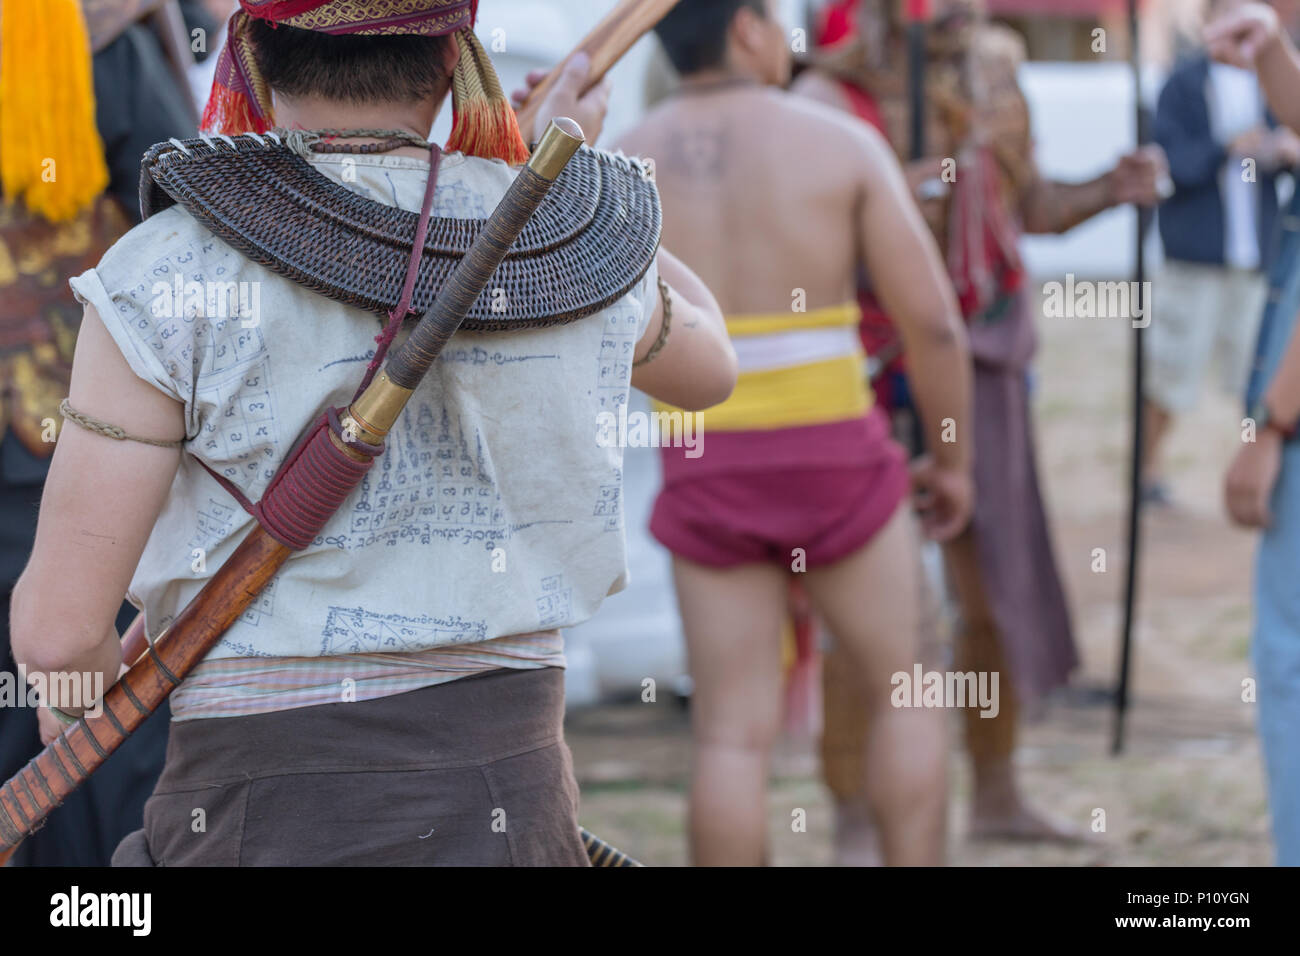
(474, 772)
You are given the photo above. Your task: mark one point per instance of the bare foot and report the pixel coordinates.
(1021, 823)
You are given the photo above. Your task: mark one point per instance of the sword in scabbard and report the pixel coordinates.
(601, 854)
(321, 472)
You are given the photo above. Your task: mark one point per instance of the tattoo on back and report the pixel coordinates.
(697, 153)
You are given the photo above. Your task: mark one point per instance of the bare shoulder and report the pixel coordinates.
(820, 87)
(838, 135)
(833, 125)
(643, 138)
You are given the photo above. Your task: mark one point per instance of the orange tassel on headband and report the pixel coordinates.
(483, 122)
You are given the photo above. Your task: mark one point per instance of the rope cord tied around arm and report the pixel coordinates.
(108, 430)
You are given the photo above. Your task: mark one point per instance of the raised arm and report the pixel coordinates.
(1252, 38)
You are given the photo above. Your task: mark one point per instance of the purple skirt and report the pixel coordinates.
(1013, 540)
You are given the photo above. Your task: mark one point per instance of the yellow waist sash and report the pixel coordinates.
(810, 393)
(767, 323)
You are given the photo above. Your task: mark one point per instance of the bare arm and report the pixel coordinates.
(1282, 399)
(100, 502)
(1052, 207)
(1279, 74)
(912, 284)
(1056, 207)
(696, 368)
(910, 281)
(1253, 474)
(1251, 37)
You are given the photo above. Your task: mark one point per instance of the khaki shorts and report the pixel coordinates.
(1201, 313)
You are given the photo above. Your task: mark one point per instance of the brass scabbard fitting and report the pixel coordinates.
(372, 415)
(558, 144)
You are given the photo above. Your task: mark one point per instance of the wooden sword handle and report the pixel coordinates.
(612, 37)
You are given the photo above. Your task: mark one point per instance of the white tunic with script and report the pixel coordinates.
(494, 511)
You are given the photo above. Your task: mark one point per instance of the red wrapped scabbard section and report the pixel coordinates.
(313, 483)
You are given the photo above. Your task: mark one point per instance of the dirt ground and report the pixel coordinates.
(1188, 789)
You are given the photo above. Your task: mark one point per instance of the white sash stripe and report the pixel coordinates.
(759, 353)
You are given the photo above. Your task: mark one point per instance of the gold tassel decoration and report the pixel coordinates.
(51, 156)
(483, 121)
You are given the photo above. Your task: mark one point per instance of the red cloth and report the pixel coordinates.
(756, 495)
(837, 23)
(240, 101)
(764, 516)
(982, 257)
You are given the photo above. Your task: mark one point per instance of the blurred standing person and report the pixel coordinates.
(775, 202)
(1262, 489)
(978, 190)
(100, 115)
(1224, 154)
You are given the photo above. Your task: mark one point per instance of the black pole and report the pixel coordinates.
(916, 15)
(1135, 474)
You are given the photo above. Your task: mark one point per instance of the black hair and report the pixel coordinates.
(694, 34)
(358, 69)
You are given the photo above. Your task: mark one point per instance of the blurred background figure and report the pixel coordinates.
(68, 196)
(777, 202)
(1218, 228)
(1262, 489)
(1014, 618)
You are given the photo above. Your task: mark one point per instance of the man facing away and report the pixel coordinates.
(395, 697)
(776, 202)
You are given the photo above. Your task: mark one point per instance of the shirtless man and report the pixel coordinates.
(775, 202)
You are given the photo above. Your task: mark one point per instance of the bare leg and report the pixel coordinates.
(844, 735)
(844, 758)
(998, 809)
(732, 618)
(1155, 426)
(871, 603)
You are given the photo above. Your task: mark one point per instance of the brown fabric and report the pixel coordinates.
(39, 317)
(474, 772)
(1013, 542)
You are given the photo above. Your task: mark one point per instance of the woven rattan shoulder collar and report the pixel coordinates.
(589, 243)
